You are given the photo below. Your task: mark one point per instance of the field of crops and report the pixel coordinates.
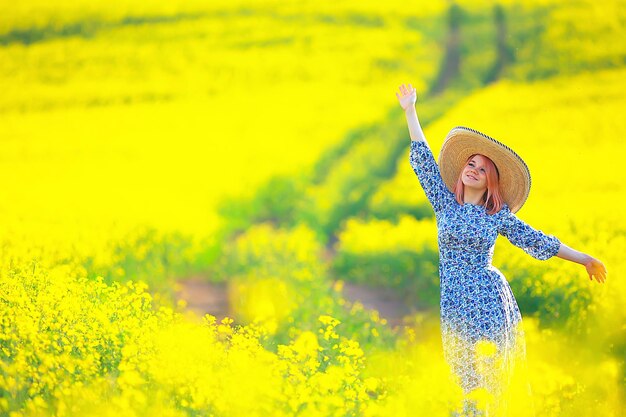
(259, 144)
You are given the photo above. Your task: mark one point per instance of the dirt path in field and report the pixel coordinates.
(204, 297)
(207, 297)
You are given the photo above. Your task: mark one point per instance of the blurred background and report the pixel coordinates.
(249, 160)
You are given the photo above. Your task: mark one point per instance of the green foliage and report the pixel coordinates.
(275, 201)
(414, 274)
(558, 300)
(352, 180)
(282, 275)
(335, 192)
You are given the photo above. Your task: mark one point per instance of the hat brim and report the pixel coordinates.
(514, 175)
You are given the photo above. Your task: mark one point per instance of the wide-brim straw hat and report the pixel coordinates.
(514, 175)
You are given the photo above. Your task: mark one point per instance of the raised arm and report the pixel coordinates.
(421, 158)
(407, 97)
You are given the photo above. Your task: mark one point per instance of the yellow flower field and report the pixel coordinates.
(257, 143)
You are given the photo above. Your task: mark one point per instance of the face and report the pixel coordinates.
(475, 173)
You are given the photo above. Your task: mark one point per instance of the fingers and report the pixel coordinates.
(597, 270)
(406, 90)
(602, 273)
(600, 277)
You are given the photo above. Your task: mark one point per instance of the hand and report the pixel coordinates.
(407, 96)
(596, 269)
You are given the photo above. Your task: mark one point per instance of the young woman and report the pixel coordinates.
(475, 191)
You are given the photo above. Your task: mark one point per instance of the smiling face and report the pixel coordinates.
(474, 173)
(479, 181)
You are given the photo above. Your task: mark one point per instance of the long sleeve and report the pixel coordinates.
(427, 171)
(534, 242)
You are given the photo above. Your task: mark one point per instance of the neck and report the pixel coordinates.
(473, 196)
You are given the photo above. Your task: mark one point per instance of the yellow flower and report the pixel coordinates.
(329, 320)
(306, 344)
(485, 348)
(481, 396)
(371, 384)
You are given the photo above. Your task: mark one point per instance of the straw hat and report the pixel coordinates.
(514, 176)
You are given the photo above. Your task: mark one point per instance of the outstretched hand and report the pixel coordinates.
(596, 269)
(407, 96)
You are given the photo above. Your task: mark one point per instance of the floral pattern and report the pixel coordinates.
(478, 309)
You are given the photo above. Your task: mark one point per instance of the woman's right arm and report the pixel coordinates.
(415, 130)
(420, 156)
(407, 98)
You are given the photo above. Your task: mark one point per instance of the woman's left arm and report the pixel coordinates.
(543, 246)
(594, 267)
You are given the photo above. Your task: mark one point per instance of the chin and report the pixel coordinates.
(484, 188)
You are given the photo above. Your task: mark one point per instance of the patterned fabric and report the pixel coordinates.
(480, 319)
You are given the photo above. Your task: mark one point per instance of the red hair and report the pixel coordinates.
(491, 199)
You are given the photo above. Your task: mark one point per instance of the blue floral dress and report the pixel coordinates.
(480, 319)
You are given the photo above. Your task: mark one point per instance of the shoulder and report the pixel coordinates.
(504, 210)
(503, 213)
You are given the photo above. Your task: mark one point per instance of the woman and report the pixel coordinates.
(476, 189)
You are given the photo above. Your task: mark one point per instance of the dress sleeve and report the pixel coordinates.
(427, 171)
(534, 242)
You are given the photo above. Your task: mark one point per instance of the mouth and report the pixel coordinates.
(472, 177)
